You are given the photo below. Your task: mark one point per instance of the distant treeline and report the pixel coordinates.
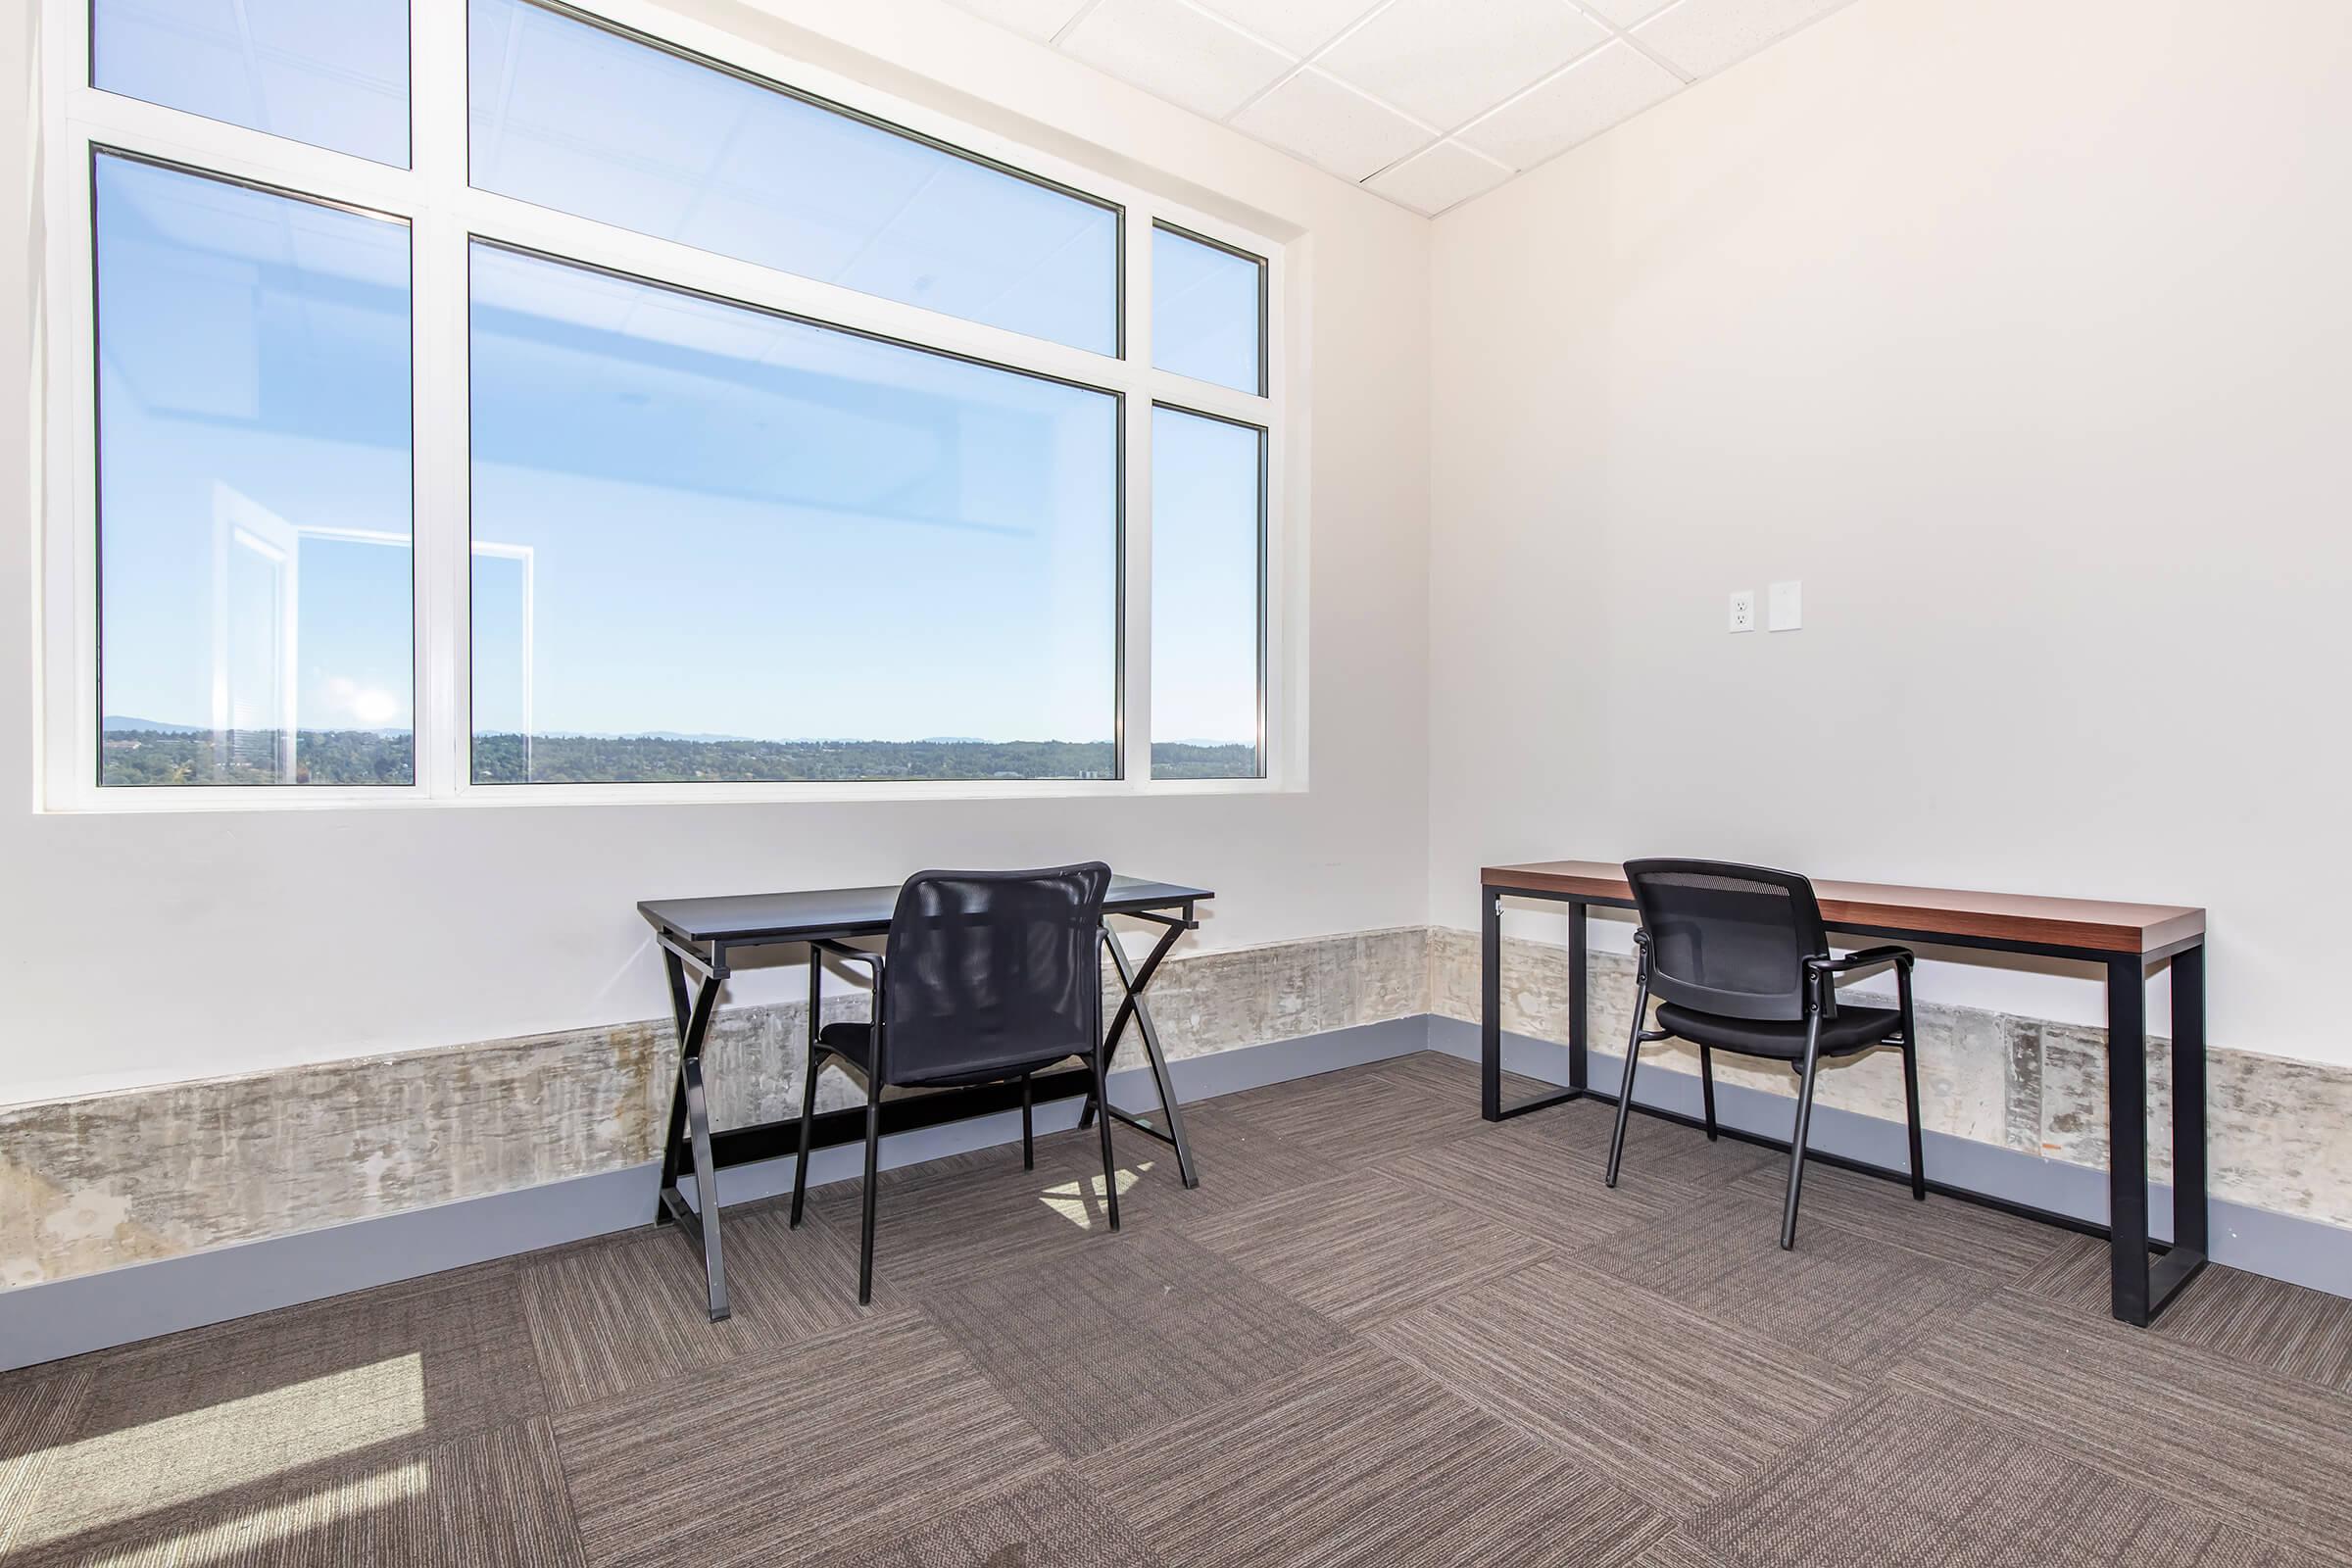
(367, 756)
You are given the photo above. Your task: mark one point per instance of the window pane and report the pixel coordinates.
(1207, 527)
(712, 543)
(254, 486)
(575, 118)
(333, 75)
(1205, 307)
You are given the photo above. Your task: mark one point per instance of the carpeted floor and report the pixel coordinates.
(1382, 1332)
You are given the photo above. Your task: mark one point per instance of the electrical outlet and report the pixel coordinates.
(1743, 609)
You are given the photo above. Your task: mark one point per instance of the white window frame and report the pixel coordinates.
(443, 213)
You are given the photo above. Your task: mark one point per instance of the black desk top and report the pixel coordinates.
(745, 919)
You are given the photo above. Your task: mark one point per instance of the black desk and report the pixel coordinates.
(703, 935)
(2123, 939)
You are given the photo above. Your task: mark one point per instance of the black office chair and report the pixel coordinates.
(1739, 961)
(985, 977)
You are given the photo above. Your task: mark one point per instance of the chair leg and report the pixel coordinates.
(1028, 1127)
(1919, 1164)
(800, 1170)
(1805, 1122)
(1706, 1084)
(1110, 1172)
(865, 1239)
(1625, 1090)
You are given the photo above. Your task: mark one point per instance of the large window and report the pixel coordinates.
(502, 401)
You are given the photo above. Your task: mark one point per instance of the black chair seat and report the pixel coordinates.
(1852, 1029)
(854, 1043)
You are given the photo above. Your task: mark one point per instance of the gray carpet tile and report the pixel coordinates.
(1367, 1247)
(2284, 1327)
(2075, 1274)
(1848, 1299)
(1947, 1228)
(1239, 1163)
(38, 1409)
(1519, 1178)
(1056, 1522)
(2266, 1452)
(1364, 1115)
(1358, 1460)
(968, 1211)
(359, 1377)
(1679, 1550)
(1439, 1072)
(1674, 1407)
(1906, 1478)
(622, 1312)
(1656, 1151)
(846, 1441)
(494, 1496)
(2265, 1322)
(1100, 1346)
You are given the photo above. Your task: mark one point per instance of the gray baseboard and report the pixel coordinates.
(2301, 1252)
(140, 1300)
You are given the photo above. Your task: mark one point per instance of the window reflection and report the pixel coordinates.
(254, 486)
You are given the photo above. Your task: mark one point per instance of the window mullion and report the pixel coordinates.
(1135, 554)
(442, 522)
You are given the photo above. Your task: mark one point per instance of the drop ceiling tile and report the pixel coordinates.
(1587, 98)
(1444, 62)
(1703, 36)
(1039, 18)
(1431, 181)
(1301, 26)
(1184, 55)
(1330, 124)
(1625, 13)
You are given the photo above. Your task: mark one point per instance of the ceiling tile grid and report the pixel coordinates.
(1427, 103)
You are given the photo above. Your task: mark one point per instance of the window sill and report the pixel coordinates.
(95, 802)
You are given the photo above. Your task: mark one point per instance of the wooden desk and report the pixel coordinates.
(703, 935)
(2123, 939)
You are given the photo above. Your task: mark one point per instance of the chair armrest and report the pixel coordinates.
(1856, 962)
(849, 955)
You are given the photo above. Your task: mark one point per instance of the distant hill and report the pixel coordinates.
(142, 753)
(151, 726)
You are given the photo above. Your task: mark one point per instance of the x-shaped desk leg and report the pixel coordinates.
(1134, 978)
(688, 1137)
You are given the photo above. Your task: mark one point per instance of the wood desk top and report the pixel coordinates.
(1924, 913)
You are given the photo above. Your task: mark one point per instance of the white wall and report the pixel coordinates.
(146, 949)
(2022, 334)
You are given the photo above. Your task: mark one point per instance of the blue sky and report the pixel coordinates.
(732, 523)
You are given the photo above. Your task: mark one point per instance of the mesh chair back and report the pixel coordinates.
(990, 972)
(1730, 940)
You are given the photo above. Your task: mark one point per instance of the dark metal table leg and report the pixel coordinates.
(1490, 1003)
(2128, 1135)
(2188, 1100)
(1135, 979)
(688, 1144)
(1578, 983)
(1490, 1012)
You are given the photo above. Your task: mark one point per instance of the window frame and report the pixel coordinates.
(444, 215)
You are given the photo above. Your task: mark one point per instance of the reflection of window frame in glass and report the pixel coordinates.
(444, 215)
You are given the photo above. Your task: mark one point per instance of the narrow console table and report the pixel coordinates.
(2123, 939)
(703, 936)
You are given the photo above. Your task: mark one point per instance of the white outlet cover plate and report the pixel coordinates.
(1786, 607)
(1743, 609)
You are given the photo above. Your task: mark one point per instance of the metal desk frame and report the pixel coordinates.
(691, 946)
(2141, 1287)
